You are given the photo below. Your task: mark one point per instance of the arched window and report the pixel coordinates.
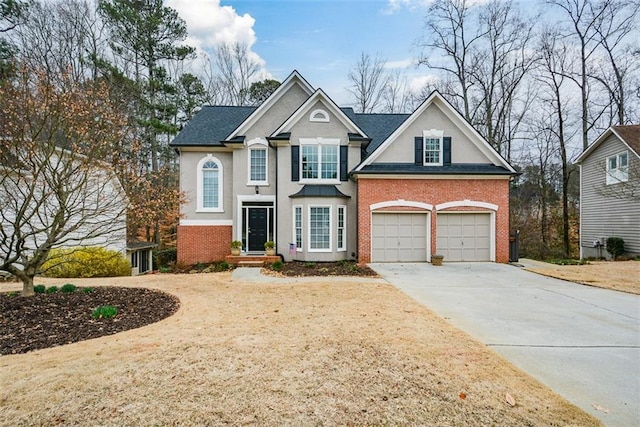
(210, 185)
(319, 116)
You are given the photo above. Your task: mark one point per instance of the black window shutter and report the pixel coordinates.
(419, 153)
(344, 162)
(295, 163)
(446, 150)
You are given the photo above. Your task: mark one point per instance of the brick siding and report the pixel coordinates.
(203, 243)
(434, 192)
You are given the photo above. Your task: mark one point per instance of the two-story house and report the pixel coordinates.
(327, 184)
(610, 191)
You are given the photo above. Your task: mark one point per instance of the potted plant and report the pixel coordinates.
(270, 247)
(236, 246)
(436, 259)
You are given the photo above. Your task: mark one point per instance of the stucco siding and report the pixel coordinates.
(602, 214)
(462, 149)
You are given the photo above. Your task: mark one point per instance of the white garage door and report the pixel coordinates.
(399, 237)
(464, 236)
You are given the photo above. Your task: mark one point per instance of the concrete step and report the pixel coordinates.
(250, 263)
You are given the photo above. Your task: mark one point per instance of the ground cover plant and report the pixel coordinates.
(332, 352)
(56, 318)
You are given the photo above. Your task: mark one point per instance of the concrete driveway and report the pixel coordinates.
(580, 341)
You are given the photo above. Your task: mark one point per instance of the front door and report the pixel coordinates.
(257, 231)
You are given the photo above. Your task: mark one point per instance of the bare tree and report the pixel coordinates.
(236, 70)
(368, 82)
(396, 97)
(56, 187)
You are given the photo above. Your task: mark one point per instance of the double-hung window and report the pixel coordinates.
(319, 159)
(341, 236)
(618, 168)
(258, 158)
(432, 148)
(297, 227)
(319, 229)
(209, 185)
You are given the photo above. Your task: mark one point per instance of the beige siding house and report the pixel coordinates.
(610, 191)
(310, 176)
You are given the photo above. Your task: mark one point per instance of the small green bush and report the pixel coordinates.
(86, 262)
(165, 257)
(39, 289)
(310, 264)
(52, 289)
(104, 312)
(277, 265)
(615, 246)
(223, 266)
(87, 290)
(68, 288)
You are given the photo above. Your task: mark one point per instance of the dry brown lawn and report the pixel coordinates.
(330, 352)
(620, 275)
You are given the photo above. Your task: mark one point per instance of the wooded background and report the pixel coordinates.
(539, 90)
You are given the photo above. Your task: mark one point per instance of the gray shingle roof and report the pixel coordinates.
(319, 191)
(378, 127)
(457, 169)
(211, 125)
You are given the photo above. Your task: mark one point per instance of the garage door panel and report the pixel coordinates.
(464, 236)
(398, 237)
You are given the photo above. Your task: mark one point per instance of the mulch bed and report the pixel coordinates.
(302, 269)
(49, 320)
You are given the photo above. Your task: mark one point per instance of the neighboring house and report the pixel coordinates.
(610, 191)
(327, 184)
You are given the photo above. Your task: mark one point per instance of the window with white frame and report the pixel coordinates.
(297, 227)
(319, 159)
(432, 147)
(257, 165)
(618, 168)
(209, 185)
(319, 229)
(341, 236)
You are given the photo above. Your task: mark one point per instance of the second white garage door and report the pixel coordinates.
(464, 236)
(399, 237)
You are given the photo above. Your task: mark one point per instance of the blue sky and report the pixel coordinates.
(322, 39)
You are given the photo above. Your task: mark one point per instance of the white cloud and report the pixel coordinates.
(417, 83)
(209, 24)
(402, 63)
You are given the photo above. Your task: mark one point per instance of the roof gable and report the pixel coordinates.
(305, 109)
(628, 135)
(456, 118)
(294, 79)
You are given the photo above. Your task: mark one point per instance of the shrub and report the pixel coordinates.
(223, 266)
(87, 290)
(165, 257)
(68, 288)
(39, 289)
(86, 262)
(277, 265)
(615, 246)
(310, 264)
(104, 312)
(52, 289)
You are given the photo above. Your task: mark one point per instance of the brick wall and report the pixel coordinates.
(204, 243)
(434, 192)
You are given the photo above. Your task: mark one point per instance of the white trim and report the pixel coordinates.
(466, 203)
(433, 134)
(342, 248)
(492, 228)
(188, 222)
(294, 77)
(330, 249)
(453, 114)
(600, 140)
(580, 212)
(400, 203)
(618, 174)
(319, 142)
(250, 149)
(324, 117)
(252, 198)
(295, 240)
(428, 234)
(319, 96)
(199, 183)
